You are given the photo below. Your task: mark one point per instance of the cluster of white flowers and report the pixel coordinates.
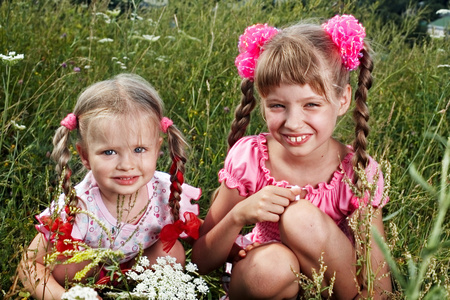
(80, 293)
(105, 40)
(121, 64)
(150, 37)
(12, 58)
(166, 280)
(18, 126)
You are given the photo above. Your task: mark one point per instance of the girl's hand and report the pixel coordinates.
(267, 205)
(243, 252)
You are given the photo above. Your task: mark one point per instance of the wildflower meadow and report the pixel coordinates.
(51, 50)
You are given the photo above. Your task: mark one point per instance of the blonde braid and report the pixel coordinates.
(61, 155)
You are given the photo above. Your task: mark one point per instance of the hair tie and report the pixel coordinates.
(165, 123)
(250, 48)
(348, 34)
(70, 121)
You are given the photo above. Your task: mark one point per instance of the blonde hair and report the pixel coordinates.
(305, 54)
(122, 95)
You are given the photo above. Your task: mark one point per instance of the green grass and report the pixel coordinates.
(192, 66)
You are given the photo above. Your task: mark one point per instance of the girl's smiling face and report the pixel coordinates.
(302, 120)
(121, 153)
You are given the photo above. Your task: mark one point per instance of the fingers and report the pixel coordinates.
(243, 252)
(268, 204)
(296, 190)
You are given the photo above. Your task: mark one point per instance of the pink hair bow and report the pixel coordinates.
(250, 48)
(70, 121)
(165, 123)
(348, 34)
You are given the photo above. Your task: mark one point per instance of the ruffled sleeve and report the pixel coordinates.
(349, 202)
(52, 212)
(189, 193)
(241, 167)
(56, 210)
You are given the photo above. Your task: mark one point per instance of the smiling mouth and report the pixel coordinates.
(297, 139)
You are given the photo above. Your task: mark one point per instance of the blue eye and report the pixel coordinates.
(276, 106)
(109, 152)
(312, 104)
(139, 150)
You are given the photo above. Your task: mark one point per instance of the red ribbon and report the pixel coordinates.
(170, 233)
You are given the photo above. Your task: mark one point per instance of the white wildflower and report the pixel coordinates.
(12, 58)
(143, 261)
(151, 22)
(192, 268)
(106, 40)
(134, 16)
(104, 16)
(164, 280)
(17, 126)
(162, 58)
(113, 13)
(151, 37)
(80, 293)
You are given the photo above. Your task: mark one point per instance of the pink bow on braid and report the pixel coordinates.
(348, 34)
(70, 121)
(250, 48)
(165, 124)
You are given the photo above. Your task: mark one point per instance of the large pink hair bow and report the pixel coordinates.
(250, 48)
(348, 34)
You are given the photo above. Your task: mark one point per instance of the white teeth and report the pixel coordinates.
(297, 139)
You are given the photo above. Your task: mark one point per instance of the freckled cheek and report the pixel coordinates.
(274, 122)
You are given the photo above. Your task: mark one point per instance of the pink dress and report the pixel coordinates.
(245, 170)
(125, 237)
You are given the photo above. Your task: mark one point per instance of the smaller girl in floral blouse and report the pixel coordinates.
(123, 203)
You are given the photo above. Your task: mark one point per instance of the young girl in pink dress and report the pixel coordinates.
(289, 182)
(126, 203)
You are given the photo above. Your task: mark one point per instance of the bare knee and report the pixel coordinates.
(64, 273)
(304, 222)
(156, 250)
(265, 273)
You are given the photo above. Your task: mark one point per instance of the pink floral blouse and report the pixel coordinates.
(123, 236)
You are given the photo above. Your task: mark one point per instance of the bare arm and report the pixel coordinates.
(226, 217)
(35, 276)
(218, 232)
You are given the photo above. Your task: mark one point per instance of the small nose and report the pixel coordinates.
(294, 119)
(126, 162)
